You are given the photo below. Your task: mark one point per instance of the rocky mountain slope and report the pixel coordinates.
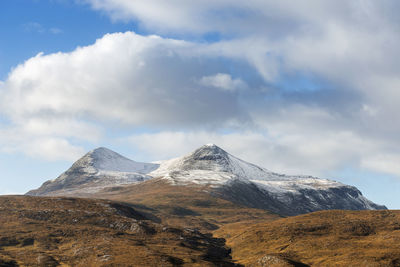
(247, 184)
(97, 169)
(224, 176)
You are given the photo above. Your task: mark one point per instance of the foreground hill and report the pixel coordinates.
(325, 238)
(185, 206)
(43, 231)
(59, 231)
(209, 169)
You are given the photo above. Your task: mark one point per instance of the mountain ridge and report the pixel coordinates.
(210, 166)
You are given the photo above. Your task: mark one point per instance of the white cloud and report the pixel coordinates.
(55, 100)
(235, 17)
(125, 77)
(345, 42)
(184, 90)
(44, 147)
(222, 81)
(54, 149)
(386, 163)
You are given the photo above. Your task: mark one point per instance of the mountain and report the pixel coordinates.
(247, 184)
(97, 169)
(212, 169)
(207, 191)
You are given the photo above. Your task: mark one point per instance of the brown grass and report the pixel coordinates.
(186, 206)
(58, 231)
(326, 238)
(83, 232)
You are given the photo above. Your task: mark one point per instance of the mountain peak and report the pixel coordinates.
(210, 158)
(210, 145)
(100, 149)
(103, 152)
(99, 168)
(104, 159)
(209, 152)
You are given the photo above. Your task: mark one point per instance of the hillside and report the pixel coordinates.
(184, 206)
(38, 231)
(58, 231)
(325, 238)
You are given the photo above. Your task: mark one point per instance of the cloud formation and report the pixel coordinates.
(133, 80)
(222, 81)
(305, 86)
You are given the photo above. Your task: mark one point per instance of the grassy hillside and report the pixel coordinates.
(326, 238)
(154, 224)
(186, 206)
(38, 231)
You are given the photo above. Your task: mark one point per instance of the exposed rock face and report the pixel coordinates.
(294, 203)
(97, 169)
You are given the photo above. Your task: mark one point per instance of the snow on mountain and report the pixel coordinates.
(104, 159)
(225, 175)
(250, 185)
(96, 170)
(212, 165)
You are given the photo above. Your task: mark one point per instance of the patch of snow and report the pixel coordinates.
(212, 165)
(294, 184)
(107, 160)
(199, 177)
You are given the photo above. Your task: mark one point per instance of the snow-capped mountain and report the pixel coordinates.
(97, 169)
(212, 165)
(247, 184)
(216, 171)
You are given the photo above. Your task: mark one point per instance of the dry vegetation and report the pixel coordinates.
(186, 206)
(326, 238)
(261, 238)
(37, 231)
(154, 224)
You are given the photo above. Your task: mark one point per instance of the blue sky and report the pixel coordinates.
(30, 27)
(307, 87)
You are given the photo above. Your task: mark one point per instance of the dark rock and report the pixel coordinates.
(8, 263)
(301, 202)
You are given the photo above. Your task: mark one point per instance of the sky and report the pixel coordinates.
(298, 87)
